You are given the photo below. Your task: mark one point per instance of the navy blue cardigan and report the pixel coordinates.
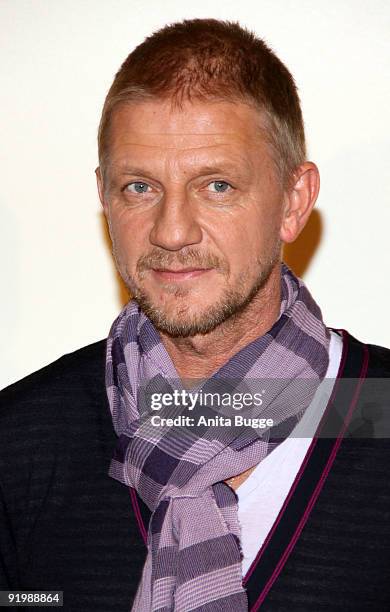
(65, 525)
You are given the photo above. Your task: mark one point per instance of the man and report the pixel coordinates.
(203, 177)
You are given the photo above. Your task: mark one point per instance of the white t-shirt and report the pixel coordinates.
(261, 496)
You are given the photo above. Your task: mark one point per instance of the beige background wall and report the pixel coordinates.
(59, 288)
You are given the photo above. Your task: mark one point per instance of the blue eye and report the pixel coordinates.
(137, 187)
(220, 186)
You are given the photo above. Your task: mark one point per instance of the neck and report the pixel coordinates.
(200, 356)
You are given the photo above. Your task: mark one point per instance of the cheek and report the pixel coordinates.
(254, 223)
(263, 230)
(130, 239)
(243, 245)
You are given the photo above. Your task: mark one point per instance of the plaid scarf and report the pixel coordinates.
(194, 555)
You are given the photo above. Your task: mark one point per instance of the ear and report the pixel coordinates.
(100, 186)
(299, 200)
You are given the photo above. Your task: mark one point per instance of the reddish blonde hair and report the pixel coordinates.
(208, 59)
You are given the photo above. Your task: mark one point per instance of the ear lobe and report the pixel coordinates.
(299, 201)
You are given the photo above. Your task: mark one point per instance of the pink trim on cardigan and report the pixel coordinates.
(301, 469)
(317, 490)
(138, 516)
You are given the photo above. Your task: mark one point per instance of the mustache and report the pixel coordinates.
(189, 257)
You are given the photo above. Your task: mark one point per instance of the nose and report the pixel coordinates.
(175, 225)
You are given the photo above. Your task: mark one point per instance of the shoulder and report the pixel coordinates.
(378, 356)
(379, 364)
(67, 389)
(78, 368)
(55, 421)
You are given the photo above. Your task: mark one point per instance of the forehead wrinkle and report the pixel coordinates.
(172, 147)
(172, 139)
(180, 134)
(123, 159)
(198, 164)
(133, 157)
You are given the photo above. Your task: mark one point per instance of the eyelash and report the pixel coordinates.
(147, 184)
(135, 183)
(224, 182)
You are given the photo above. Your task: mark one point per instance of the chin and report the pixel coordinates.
(188, 321)
(178, 322)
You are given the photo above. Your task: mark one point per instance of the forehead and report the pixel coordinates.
(154, 127)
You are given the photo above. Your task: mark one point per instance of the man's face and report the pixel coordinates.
(194, 208)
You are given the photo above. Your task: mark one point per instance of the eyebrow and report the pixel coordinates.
(216, 170)
(125, 169)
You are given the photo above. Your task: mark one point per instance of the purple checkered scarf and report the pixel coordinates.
(194, 555)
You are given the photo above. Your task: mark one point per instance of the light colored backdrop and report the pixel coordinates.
(59, 288)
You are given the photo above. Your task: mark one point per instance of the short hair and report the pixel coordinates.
(208, 59)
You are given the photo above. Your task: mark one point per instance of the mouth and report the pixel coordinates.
(181, 274)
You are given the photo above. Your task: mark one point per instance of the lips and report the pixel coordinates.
(179, 274)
